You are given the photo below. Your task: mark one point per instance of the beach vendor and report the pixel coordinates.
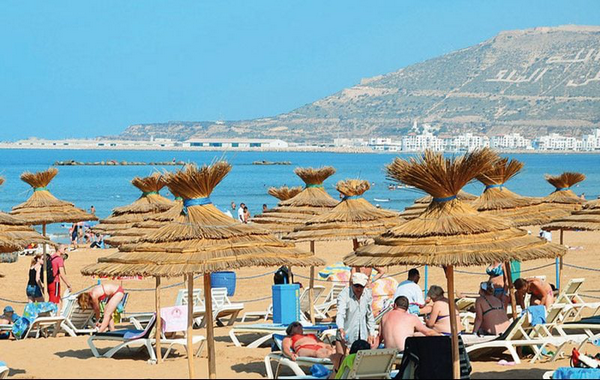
(355, 318)
(106, 297)
(296, 344)
(541, 292)
(412, 291)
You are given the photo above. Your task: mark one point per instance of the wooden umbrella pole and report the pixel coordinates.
(158, 321)
(560, 266)
(210, 332)
(355, 244)
(190, 321)
(45, 262)
(311, 287)
(511, 290)
(453, 322)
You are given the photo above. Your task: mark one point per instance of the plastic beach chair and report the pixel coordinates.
(4, 370)
(282, 360)
(330, 302)
(266, 330)
(125, 338)
(263, 314)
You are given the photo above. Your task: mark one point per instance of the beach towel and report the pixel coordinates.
(174, 319)
(332, 270)
(576, 373)
(536, 314)
(31, 312)
(382, 290)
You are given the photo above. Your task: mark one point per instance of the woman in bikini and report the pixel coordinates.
(111, 295)
(439, 319)
(296, 344)
(490, 312)
(541, 292)
(498, 279)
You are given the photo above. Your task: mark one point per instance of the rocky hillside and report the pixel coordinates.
(529, 81)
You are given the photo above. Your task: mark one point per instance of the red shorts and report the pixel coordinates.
(54, 292)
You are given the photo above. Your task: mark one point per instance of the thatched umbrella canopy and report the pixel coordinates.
(19, 230)
(353, 218)
(562, 201)
(201, 240)
(148, 204)
(7, 244)
(421, 204)
(43, 207)
(284, 193)
(311, 201)
(587, 219)
(450, 232)
(499, 200)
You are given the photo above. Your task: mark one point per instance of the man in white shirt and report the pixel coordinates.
(411, 291)
(241, 212)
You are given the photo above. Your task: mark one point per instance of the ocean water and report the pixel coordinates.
(107, 187)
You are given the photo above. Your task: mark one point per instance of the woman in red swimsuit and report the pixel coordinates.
(111, 294)
(296, 343)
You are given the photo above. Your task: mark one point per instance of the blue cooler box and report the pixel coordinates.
(286, 303)
(224, 280)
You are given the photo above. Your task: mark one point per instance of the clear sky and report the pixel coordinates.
(82, 68)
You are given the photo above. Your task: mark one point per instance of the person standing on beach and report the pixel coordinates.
(233, 208)
(73, 233)
(246, 215)
(60, 275)
(240, 212)
(93, 210)
(35, 287)
(355, 318)
(265, 208)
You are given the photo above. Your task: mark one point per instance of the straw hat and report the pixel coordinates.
(311, 201)
(43, 207)
(449, 232)
(354, 217)
(202, 239)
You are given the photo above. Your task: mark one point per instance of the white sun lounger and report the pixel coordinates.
(305, 302)
(330, 302)
(4, 370)
(281, 360)
(266, 330)
(264, 314)
(570, 296)
(139, 338)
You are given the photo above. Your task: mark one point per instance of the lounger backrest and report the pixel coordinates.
(304, 301)
(80, 318)
(278, 340)
(148, 331)
(515, 330)
(335, 291)
(372, 364)
(182, 298)
(570, 291)
(219, 297)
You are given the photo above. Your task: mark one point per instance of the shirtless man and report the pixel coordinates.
(541, 292)
(398, 324)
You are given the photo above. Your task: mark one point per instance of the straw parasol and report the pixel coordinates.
(450, 232)
(562, 201)
(352, 219)
(119, 224)
(201, 240)
(44, 208)
(421, 204)
(311, 201)
(18, 230)
(499, 200)
(284, 193)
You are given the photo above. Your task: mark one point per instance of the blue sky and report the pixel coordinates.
(82, 69)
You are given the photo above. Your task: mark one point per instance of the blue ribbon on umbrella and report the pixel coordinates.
(313, 185)
(563, 188)
(444, 199)
(346, 197)
(501, 186)
(195, 202)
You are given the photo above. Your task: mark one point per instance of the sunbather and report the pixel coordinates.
(497, 278)
(490, 312)
(541, 292)
(439, 318)
(398, 324)
(296, 344)
(109, 294)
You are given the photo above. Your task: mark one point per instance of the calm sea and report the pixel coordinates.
(107, 187)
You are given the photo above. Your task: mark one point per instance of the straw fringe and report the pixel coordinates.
(284, 193)
(586, 219)
(563, 196)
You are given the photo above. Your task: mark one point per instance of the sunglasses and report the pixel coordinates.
(358, 286)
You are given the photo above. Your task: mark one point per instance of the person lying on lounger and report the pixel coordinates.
(296, 344)
(110, 295)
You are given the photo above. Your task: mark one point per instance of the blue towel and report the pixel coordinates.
(537, 314)
(576, 373)
(2, 364)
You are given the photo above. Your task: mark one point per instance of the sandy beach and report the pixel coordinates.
(66, 357)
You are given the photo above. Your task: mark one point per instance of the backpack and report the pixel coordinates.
(283, 275)
(49, 270)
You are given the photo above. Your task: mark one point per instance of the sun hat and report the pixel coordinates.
(360, 279)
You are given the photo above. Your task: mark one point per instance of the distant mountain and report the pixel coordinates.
(531, 81)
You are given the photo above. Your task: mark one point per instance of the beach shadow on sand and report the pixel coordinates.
(125, 354)
(15, 371)
(525, 373)
(254, 367)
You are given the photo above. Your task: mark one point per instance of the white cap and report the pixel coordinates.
(360, 279)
